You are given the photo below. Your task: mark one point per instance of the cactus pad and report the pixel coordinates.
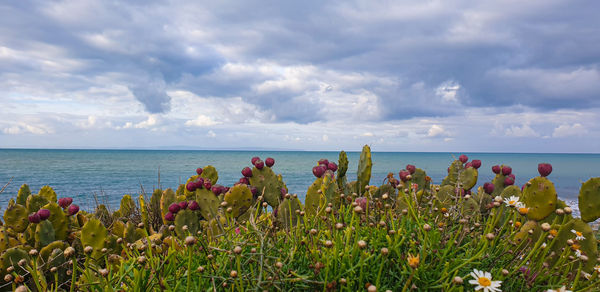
(589, 200)
(239, 198)
(467, 178)
(24, 192)
(364, 169)
(16, 217)
(286, 212)
(186, 218)
(268, 185)
(93, 234)
(44, 234)
(209, 203)
(59, 220)
(167, 198)
(540, 197)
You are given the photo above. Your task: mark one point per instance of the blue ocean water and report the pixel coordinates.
(109, 174)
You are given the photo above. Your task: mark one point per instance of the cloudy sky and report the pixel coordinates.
(493, 76)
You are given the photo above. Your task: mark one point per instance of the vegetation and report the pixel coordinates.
(349, 235)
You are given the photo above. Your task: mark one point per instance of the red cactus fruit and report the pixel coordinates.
(269, 162)
(545, 169)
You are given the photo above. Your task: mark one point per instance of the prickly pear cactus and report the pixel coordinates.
(342, 169)
(35, 202)
(268, 185)
(364, 169)
(452, 177)
(6, 241)
(498, 182)
(16, 217)
(588, 246)
(521, 237)
(44, 234)
(46, 251)
(239, 199)
(540, 197)
(144, 212)
(127, 206)
(315, 199)
(24, 192)
(48, 193)
(59, 220)
(286, 212)
(386, 189)
(209, 203)
(155, 201)
(167, 198)
(467, 178)
(210, 172)
(589, 200)
(11, 257)
(511, 191)
(186, 218)
(131, 233)
(421, 179)
(182, 192)
(93, 234)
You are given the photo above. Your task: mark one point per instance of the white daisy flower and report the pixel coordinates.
(578, 253)
(578, 235)
(597, 268)
(587, 276)
(512, 201)
(483, 280)
(543, 245)
(561, 289)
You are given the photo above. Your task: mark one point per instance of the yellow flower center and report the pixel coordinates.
(578, 233)
(554, 232)
(523, 211)
(512, 203)
(485, 282)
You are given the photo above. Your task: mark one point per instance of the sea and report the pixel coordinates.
(103, 176)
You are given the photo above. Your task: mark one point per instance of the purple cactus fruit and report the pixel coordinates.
(463, 158)
(191, 186)
(506, 170)
(332, 166)
(523, 187)
(183, 205)
(225, 190)
(269, 161)
(319, 170)
(476, 163)
(170, 216)
(174, 208)
(509, 181)
(512, 176)
(254, 160)
(283, 192)
(329, 173)
(44, 214)
(254, 191)
(244, 180)
(496, 169)
(488, 187)
(194, 206)
(411, 168)
(323, 162)
(448, 169)
(65, 202)
(216, 190)
(259, 164)
(468, 164)
(199, 170)
(73, 209)
(404, 175)
(207, 184)
(362, 202)
(34, 218)
(247, 172)
(545, 169)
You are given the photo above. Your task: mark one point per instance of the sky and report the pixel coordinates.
(451, 75)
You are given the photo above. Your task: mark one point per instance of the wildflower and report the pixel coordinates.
(597, 269)
(543, 245)
(513, 201)
(578, 235)
(561, 289)
(413, 262)
(483, 280)
(554, 232)
(578, 253)
(587, 276)
(523, 210)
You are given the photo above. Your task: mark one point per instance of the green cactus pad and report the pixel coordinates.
(46, 251)
(364, 169)
(7, 241)
(498, 182)
(209, 203)
(315, 200)
(167, 198)
(467, 178)
(24, 192)
(286, 212)
(421, 179)
(540, 197)
(470, 207)
(588, 246)
(127, 206)
(181, 191)
(342, 169)
(452, 177)
(511, 191)
(144, 212)
(48, 193)
(211, 173)
(154, 205)
(94, 234)
(59, 220)
(589, 200)
(131, 233)
(239, 198)
(35, 202)
(268, 185)
(386, 189)
(521, 237)
(187, 218)
(16, 217)
(44, 234)
(11, 257)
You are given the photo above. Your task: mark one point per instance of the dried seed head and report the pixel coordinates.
(477, 225)
(103, 272)
(184, 228)
(384, 251)
(559, 211)
(372, 288)
(253, 250)
(568, 210)
(462, 221)
(339, 226)
(8, 278)
(570, 242)
(343, 281)
(546, 226)
(404, 211)
(229, 210)
(505, 272)
(392, 232)
(33, 252)
(200, 269)
(259, 198)
(279, 265)
(141, 260)
(302, 213)
(496, 204)
(584, 258)
(385, 196)
(328, 210)
(53, 269)
(141, 225)
(426, 227)
(490, 236)
(287, 196)
(210, 256)
(457, 280)
(22, 262)
(233, 274)
(21, 288)
(358, 209)
(362, 244)
(171, 228)
(328, 243)
(264, 204)
(10, 269)
(224, 204)
(119, 240)
(237, 249)
(313, 231)
(190, 240)
(88, 249)
(69, 252)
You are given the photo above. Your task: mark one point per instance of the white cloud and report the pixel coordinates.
(201, 121)
(436, 131)
(566, 130)
(25, 128)
(211, 134)
(522, 131)
(448, 91)
(325, 138)
(367, 134)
